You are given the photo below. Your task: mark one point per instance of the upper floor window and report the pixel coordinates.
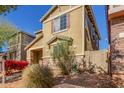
(60, 23)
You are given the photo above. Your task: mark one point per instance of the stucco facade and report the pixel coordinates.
(77, 29)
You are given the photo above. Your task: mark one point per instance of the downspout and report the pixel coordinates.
(83, 30)
(109, 40)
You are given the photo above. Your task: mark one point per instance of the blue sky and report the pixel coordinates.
(27, 18)
(99, 13)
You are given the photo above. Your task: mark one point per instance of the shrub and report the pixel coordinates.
(17, 65)
(11, 65)
(37, 76)
(21, 65)
(64, 55)
(63, 67)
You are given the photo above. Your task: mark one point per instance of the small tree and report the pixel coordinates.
(6, 30)
(64, 55)
(7, 8)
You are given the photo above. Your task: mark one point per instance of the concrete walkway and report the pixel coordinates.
(66, 85)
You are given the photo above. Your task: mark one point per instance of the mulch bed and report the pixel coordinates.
(86, 80)
(77, 81)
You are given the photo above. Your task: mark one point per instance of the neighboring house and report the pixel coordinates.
(116, 39)
(65, 21)
(17, 42)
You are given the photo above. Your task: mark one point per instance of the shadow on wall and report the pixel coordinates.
(94, 62)
(117, 56)
(86, 66)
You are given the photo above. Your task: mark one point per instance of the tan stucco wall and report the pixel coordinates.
(75, 31)
(98, 58)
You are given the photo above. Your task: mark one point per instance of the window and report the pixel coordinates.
(56, 25)
(60, 49)
(60, 23)
(63, 22)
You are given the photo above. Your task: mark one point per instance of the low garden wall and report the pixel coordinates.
(98, 58)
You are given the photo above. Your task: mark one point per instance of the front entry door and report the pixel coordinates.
(37, 56)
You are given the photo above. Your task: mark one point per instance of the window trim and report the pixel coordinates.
(64, 30)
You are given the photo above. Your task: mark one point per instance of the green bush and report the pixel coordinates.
(36, 76)
(63, 68)
(64, 55)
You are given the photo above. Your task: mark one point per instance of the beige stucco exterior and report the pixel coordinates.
(76, 31)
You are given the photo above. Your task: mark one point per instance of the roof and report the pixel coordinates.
(38, 32)
(92, 18)
(34, 41)
(60, 37)
(23, 33)
(48, 13)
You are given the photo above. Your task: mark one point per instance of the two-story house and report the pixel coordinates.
(75, 22)
(17, 42)
(116, 39)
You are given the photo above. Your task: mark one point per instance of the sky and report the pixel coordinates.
(26, 18)
(100, 17)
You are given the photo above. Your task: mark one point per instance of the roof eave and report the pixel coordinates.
(49, 11)
(33, 42)
(94, 21)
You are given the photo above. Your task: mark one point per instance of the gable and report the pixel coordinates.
(55, 10)
(37, 42)
(59, 9)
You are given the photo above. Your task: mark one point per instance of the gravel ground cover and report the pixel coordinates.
(76, 81)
